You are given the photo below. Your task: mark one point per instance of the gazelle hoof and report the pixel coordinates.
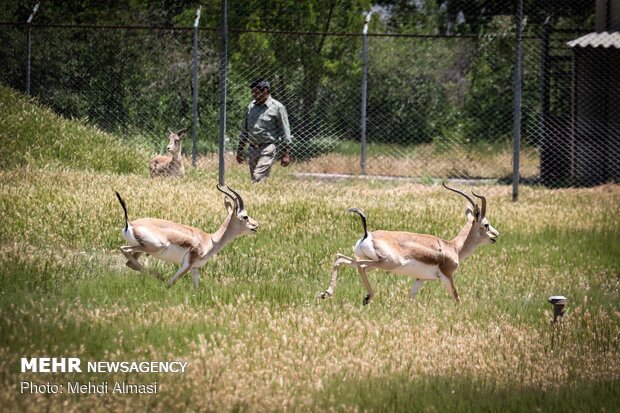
(132, 266)
(323, 295)
(367, 299)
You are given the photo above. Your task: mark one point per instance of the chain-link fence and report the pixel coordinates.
(572, 117)
(438, 102)
(135, 82)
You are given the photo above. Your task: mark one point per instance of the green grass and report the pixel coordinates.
(457, 393)
(353, 148)
(31, 134)
(253, 334)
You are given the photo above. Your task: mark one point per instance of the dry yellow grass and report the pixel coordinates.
(281, 359)
(427, 162)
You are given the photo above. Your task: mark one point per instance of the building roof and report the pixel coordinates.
(603, 39)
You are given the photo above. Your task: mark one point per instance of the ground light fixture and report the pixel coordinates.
(558, 302)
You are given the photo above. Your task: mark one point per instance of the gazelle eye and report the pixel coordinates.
(245, 218)
(486, 226)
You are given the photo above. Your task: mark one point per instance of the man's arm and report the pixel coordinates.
(286, 156)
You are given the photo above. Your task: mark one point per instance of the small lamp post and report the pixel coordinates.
(558, 302)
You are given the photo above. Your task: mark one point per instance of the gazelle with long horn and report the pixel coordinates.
(189, 247)
(164, 165)
(420, 256)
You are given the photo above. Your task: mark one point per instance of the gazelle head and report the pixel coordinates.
(175, 140)
(481, 232)
(240, 222)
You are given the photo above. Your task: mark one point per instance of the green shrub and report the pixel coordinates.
(305, 150)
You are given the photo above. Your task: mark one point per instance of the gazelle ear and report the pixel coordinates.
(473, 214)
(477, 214)
(228, 205)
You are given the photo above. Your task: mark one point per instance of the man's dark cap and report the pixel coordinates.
(260, 83)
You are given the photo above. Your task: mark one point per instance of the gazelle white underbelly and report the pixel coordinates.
(172, 253)
(417, 269)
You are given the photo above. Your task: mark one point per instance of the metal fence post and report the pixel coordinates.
(517, 104)
(364, 86)
(28, 44)
(223, 80)
(195, 119)
(544, 98)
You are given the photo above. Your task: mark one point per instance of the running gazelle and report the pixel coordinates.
(420, 256)
(186, 246)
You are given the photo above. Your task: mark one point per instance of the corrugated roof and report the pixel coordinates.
(603, 39)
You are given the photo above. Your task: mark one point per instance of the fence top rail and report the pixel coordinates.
(353, 34)
(239, 30)
(107, 27)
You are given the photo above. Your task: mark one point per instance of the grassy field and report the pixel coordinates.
(253, 335)
(425, 160)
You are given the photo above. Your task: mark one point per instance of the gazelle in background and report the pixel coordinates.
(163, 165)
(189, 247)
(420, 256)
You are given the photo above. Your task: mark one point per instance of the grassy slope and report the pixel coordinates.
(253, 334)
(33, 135)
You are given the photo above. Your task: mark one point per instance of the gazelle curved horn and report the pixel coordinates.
(241, 203)
(470, 199)
(234, 199)
(483, 208)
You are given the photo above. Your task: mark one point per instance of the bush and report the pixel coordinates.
(306, 150)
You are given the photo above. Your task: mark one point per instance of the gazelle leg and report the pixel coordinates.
(417, 285)
(340, 259)
(195, 276)
(132, 258)
(361, 269)
(449, 284)
(131, 264)
(132, 253)
(185, 268)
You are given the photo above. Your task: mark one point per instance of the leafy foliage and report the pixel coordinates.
(488, 108)
(139, 81)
